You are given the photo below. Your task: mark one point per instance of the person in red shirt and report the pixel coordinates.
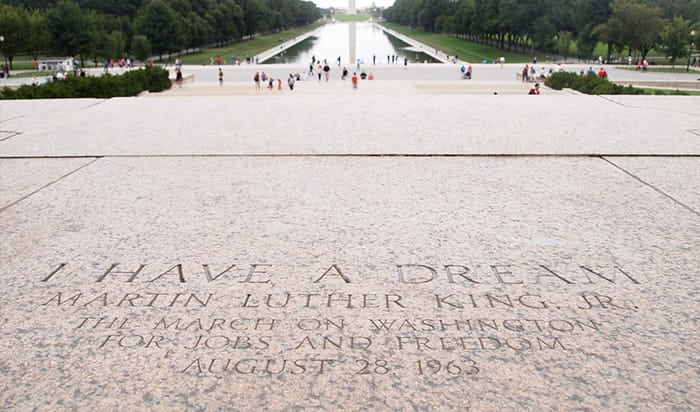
(602, 73)
(354, 80)
(535, 90)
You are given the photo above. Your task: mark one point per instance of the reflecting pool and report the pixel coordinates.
(350, 41)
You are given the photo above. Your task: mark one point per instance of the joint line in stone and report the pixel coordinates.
(3, 208)
(656, 189)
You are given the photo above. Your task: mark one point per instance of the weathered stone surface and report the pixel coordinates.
(22, 177)
(397, 247)
(675, 177)
(347, 123)
(558, 283)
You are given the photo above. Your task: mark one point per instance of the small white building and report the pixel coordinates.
(53, 64)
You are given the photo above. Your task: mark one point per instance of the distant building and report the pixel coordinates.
(56, 64)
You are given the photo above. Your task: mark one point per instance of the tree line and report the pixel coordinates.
(114, 29)
(628, 27)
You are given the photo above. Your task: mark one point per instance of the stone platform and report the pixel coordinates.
(396, 248)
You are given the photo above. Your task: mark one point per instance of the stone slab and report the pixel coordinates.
(12, 109)
(22, 177)
(345, 122)
(679, 178)
(506, 283)
(4, 135)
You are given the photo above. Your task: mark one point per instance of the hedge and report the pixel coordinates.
(588, 84)
(131, 83)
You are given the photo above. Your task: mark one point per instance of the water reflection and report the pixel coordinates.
(336, 40)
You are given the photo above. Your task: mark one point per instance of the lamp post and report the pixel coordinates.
(2, 40)
(690, 49)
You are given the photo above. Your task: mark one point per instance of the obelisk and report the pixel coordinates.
(352, 40)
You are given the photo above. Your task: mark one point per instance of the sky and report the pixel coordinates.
(343, 4)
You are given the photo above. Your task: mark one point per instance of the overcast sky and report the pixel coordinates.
(343, 4)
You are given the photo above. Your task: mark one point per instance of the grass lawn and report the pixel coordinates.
(667, 92)
(23, 75)
(351, 17)
(659, 69)
(247, 47)
(466, 50)
(22, 64)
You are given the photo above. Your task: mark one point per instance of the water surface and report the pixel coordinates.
(336, 40)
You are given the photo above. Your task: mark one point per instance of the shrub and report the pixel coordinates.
(153, 79)
(560, 80)
(588, 84)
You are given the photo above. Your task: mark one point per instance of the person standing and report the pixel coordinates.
(178, 77)
(256, 79)
(290, 81)
(221, 77)
(327, 71)
(354, 80)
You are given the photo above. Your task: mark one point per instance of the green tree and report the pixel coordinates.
(675, 39)
(305, 12)
(513, 18)
(255, 17)
(198, 31)
(71, 30)
(488, 22)
(13, 27)
(141, 47)
(635, 24)
(544, 33)
(564, 39)
(159, 22)
(113, 46)
(229, 21)
(37, 36)
(585, 44)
